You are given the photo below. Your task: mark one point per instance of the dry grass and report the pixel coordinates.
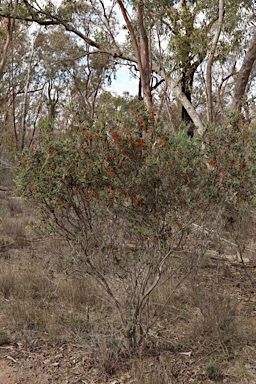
(205, 332)
(218, 311)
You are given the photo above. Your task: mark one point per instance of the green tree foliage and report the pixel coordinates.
(167, 42)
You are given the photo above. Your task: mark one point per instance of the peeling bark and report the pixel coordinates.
(243, 76)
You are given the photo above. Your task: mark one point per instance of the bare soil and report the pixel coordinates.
(8, 374)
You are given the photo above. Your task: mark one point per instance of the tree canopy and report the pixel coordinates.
(188, 56)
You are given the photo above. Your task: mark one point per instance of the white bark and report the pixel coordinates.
(176, 90)
(26, 90)
(210, 62)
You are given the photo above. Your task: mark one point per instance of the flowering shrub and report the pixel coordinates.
(145, 180)
(231, 153)
(129, 202)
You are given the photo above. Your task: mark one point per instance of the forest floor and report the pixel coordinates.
(47, 336)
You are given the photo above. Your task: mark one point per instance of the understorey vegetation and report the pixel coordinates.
(127, 219)
(139, 210)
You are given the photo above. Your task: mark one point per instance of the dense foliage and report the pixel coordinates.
(138, 185)
(128, 203)
(148, 176)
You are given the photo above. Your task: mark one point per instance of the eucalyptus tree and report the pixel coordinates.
(13, 78)
(9, 27)
(168, 41)
(47, 74)
(244, 74)
(96, 25)
(201, 38)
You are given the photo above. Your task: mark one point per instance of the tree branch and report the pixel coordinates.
(57, 20)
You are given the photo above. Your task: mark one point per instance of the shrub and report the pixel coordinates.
(128, 203)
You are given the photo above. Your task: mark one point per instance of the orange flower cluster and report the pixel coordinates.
(112, 172)
(137, 202)
(212, 163)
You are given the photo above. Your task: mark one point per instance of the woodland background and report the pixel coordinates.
(127, 232)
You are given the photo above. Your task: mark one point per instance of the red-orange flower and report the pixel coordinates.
(137, 201)
(127, 195)
(211, 163)
(112, 172)
(224, 171)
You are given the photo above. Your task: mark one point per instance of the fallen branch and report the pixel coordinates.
(5, 189)
(208, 231)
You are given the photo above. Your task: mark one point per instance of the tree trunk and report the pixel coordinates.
(188, 69)
(10, 28)
(141, 49)
(243, 76)
(26, 94)
(145, 60)
(210, 62)
(187, 87)
(177, 91)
